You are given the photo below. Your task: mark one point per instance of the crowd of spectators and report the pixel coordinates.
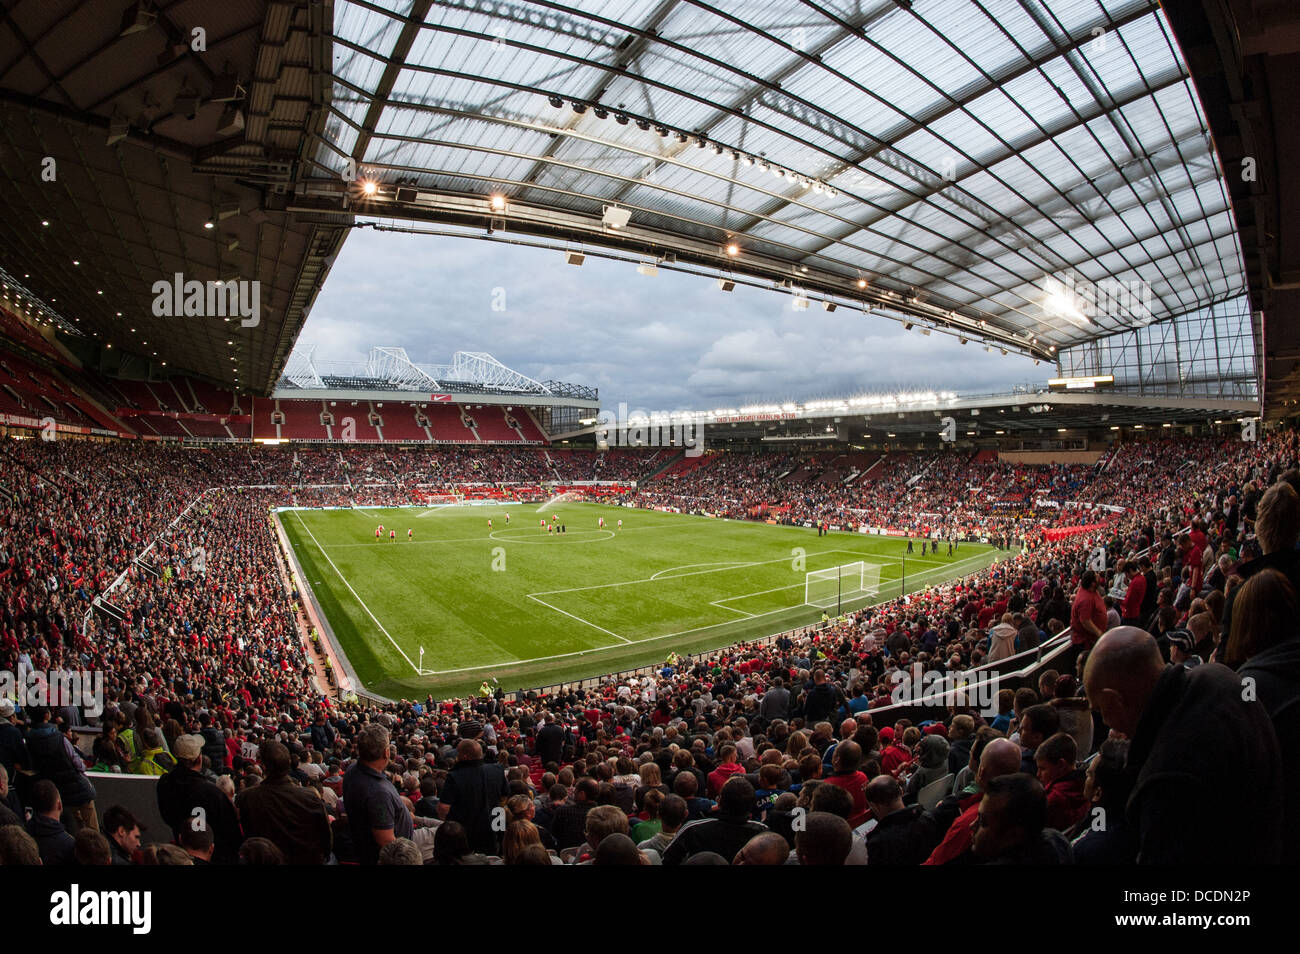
(776, 752)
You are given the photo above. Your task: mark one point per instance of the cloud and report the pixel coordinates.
(659, 343)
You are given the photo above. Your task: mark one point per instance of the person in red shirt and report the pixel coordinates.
(725, 770)
(1131, 611)
(1062, 781)
(1087, 613)
(1000, 757)
(893, 756)
(845, 761)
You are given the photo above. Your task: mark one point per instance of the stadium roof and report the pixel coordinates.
(966, 161)
(1245, 58)
(391, 369)
(119, 140)
(965, 155)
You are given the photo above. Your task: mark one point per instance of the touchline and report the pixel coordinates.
(94, 908)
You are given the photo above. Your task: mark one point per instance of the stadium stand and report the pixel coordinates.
(209, 669)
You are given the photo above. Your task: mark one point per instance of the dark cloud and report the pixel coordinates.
(658, 343)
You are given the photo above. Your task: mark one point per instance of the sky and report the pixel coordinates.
(661, 343)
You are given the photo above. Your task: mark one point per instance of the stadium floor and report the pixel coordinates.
(531, 608)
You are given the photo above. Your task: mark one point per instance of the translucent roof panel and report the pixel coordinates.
(969, 159)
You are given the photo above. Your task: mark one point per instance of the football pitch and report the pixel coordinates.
(531, 608)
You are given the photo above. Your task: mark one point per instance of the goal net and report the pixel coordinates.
(837, 584)
(443, 500)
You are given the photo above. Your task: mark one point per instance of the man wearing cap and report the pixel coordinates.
(188, 800)
(1182, 649)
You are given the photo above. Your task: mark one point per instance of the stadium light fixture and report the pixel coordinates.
(601, 112)
(862, 283)
(907, 326)
(555, 101)
(733, 249)
(369, 187)
(829, 306)
(726, 284)
(648, 268)
(574, 258)
(498, 202)
(579, 108)
(615, 217)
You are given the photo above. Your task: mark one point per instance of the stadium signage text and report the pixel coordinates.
(747, 418)
(195, 299)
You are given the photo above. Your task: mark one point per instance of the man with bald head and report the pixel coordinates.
(1000, 757)
(768, 848)
(1204, 757)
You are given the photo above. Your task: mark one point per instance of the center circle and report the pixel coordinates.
(551, 537)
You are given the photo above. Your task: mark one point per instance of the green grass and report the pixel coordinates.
(531, 609)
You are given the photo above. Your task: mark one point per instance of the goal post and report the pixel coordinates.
(834, 585)
(443, 500)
